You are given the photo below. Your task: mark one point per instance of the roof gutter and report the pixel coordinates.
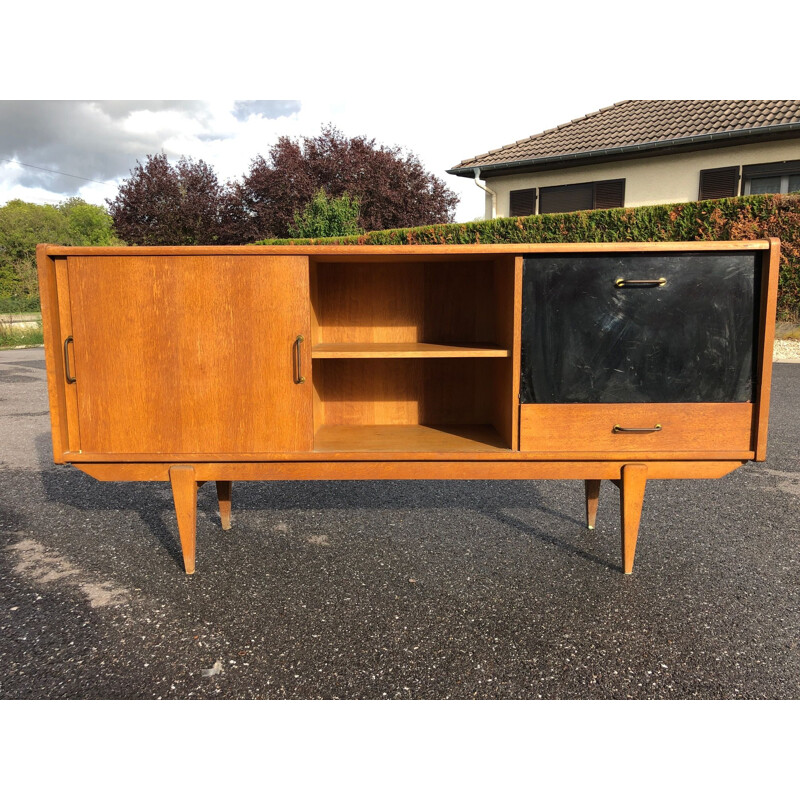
(490, 192)
(597, 155)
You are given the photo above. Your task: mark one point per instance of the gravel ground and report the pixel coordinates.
(427, 589)
(786, 349)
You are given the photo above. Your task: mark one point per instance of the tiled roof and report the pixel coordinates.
(638, 123)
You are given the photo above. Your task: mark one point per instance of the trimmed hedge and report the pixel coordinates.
(752, 217)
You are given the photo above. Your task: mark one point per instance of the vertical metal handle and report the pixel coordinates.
(298, 360)
(67, 371)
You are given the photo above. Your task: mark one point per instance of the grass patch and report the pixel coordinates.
(13, 336)
(19, 305)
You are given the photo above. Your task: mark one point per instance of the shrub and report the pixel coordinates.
(327, 216)
(751, 217)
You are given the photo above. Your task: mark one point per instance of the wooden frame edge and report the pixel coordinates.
(53, 358)
(343, 457)
(769, 308)
(516, 354)
(409, 470)
(432, 249)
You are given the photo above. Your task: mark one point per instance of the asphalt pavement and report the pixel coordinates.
(429, 589)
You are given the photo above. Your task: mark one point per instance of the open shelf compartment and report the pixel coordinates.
(413, 355)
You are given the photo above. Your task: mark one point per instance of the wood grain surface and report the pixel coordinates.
(54, 335)
(190, 354)
(411, 470)
(330, 253)
(590, 427)
(408, 439)
(407, 350)
(766, 338)
(632, 485)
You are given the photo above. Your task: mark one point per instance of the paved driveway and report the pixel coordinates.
(395, 590)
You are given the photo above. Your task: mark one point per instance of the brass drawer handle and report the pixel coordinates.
(620, 429)
(67, 371)
(298, 360)
(621, 283)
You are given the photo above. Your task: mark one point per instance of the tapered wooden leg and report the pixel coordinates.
(224, 489)
(592, 496)
(631, 497)
(184, 493)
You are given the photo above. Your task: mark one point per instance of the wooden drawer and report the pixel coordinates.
(679, 427)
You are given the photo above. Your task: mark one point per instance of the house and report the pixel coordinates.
(645, 152)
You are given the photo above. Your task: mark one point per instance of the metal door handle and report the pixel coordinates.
(298, 360)
(70, 378)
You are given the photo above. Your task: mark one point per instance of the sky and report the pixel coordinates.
(437, 79)
(102, 140)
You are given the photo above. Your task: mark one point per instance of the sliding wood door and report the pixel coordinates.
(191, 354)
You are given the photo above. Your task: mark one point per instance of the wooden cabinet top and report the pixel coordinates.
(367, 252)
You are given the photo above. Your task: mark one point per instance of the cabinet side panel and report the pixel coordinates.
(504, 373)
(53, 353)
(769, 302)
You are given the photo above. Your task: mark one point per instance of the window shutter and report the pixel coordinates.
(560, 199)
(609, 194)
(522, 203)
(770, 170)
(716, 183)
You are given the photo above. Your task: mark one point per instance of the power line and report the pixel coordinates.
(56, 172)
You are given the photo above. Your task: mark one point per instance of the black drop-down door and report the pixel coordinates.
(627, 328)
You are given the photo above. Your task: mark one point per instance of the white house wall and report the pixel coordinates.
(648, 181)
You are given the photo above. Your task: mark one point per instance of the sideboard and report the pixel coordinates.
(625, 362)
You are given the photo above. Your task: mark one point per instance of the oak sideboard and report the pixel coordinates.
(623, 362)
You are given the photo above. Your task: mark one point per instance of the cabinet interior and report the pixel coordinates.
(413, 355)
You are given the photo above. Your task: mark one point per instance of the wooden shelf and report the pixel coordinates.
(407, 350)
(408, 439)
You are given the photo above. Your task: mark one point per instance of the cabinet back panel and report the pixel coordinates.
(369, 302)
(404, 391)
(459, 303)
(368, 392)
(190, 354)
(443, 302)
(585, 340)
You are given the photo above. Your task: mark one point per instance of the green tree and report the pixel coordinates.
(327, 216)
(88, 225)
(24, 225)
